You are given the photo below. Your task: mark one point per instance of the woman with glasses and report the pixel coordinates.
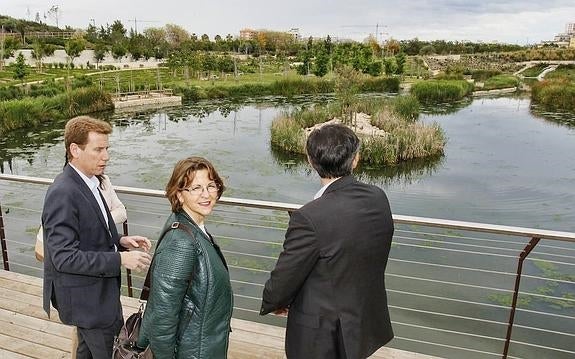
(190, 304)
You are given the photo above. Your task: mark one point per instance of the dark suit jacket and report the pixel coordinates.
(331, 274)
(81, 267)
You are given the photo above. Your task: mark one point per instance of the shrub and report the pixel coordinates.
(554, 94)
(500, 82)
(287, 134)
(441, 90)
(406, 107)
(380, 84)
(405, 138)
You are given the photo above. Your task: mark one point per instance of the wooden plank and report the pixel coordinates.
(10, 294)
(17, 277)
(41, 325)
(239, 350)
(260, 340)
(17, 332)
(31, 350)
(5, 354)
(32, 310)
(391, 353)
(20, 286)
(250, 326)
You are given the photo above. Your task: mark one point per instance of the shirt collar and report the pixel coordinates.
(323, 189)
(91, 182)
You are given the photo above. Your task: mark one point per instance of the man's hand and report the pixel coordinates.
(136, 260)
(133, 242)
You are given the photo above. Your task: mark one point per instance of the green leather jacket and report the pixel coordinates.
(186, 319)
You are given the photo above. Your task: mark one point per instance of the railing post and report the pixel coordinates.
(128, 272)
(3, 241)
(528, 248)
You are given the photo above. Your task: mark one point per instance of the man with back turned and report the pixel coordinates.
(329, 278)
(83, 253)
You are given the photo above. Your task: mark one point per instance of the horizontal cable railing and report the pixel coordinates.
(453, 287)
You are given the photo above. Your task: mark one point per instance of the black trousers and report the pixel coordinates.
(97, 343)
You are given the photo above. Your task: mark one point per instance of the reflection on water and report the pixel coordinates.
(446, 108)
(403, 173)
(501, 165)
(561, 118)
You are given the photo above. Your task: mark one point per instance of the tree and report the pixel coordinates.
(74, 47)
(20, 69)
(392, 46)
(41, 49)
(321, 62)
(389, 65)
(176, 35)
(371, 41)
(156, 42)
(100, 50)
(346, 89)
(10, 46)
(118, 51)
(400, 60)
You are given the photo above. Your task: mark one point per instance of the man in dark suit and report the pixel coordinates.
(82, 248)
(329, 278)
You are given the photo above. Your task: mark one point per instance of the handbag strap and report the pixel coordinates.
(146, 288)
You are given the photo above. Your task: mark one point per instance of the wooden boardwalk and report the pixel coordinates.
(26, 331)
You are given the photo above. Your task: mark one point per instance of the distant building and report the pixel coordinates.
(295, 33)
(248, 34)
(566, 39)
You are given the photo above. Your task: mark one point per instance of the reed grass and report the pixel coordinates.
(435, 91)
(31, 111)
(500, 82)
(286, 134)
(406, 138)
(554, 94)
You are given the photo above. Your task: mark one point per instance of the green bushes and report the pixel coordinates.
(554, 94)
(284, 87)
(287, 135)
(406, 107)
(380, 84)
(482, 75)
(29, 112)
(500, 82)
(434, 91)
(405, 138)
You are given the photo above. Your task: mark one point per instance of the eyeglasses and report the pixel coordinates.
(198, 189)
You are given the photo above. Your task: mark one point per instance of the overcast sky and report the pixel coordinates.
(517, 22)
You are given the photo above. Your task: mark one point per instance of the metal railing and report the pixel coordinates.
(456, 289)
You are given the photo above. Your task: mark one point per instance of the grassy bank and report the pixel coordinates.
(406, 138)
(435, 91)
(31, 111)
(289, 86)
(554, 94)
(500, 82)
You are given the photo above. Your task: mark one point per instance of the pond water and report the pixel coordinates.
(505, 163)
(502, 163)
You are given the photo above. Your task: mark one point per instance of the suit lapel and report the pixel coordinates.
(89, 196)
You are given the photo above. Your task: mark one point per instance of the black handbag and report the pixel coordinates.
(125, 343)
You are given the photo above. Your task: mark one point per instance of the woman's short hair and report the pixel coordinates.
(183, 175)
(331, 150)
